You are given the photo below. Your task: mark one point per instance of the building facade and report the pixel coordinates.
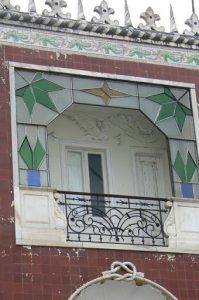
(98, 155)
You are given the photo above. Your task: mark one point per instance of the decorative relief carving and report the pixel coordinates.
(91, 127)
(128, 269)
(122, 125)
(135, 127)
(170, 224)
(60, 219)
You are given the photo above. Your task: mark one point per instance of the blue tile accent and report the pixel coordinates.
(34, 178)
(187, 190)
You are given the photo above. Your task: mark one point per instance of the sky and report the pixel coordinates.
(182, 10)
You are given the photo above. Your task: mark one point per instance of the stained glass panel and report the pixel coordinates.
(32, 153)
(41, 96)
(172, 111)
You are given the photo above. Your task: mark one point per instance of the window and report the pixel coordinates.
(85, 172)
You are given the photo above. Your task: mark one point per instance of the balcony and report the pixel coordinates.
(114, 219)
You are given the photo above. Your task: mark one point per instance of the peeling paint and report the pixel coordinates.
(68, 255)
(77, 251)
(30, 276)
(27, 247)
(9, 219)
(171, 257)
(3, 253)
(59, 251)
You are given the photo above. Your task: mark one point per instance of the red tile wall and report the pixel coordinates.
(43, 273)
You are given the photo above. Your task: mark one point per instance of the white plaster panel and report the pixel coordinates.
(182, 225)
(39, 220)
(36, 209)
(187, 218)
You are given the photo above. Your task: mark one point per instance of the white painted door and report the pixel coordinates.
(150, 174)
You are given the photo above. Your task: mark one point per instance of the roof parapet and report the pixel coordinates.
(103, 24)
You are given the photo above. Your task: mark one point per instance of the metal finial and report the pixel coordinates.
(31, 6)
(193, 6)
(173, 27)
(81, 15)
(127, 19)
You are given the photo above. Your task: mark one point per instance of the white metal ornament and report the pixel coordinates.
(104, 11)
(56, 9)
(150, 18)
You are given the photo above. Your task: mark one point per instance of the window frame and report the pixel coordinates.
(90, 149)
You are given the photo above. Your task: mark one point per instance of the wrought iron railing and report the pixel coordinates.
(114, 219)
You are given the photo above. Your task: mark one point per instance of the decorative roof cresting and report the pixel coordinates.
(57, 17)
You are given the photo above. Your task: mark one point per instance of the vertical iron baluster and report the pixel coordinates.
(161, 222)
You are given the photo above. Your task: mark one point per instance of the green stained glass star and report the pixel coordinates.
(171, 107)
(37, 92)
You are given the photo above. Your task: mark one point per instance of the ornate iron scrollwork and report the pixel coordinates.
(122, 220)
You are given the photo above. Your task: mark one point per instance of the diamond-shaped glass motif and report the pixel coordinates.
(26, 153)
(190, 167)
(38, 155)
(185, 171)
(32, 158)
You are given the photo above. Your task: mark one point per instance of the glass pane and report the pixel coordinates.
(95, 173)
(96, 183)
(74, 171)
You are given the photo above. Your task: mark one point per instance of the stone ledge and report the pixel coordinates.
(40, 222)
